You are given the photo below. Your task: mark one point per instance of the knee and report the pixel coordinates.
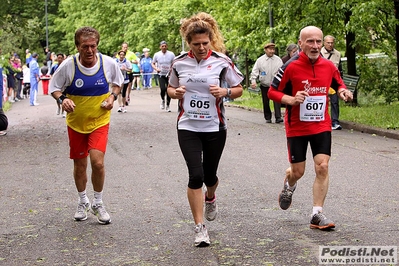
(322, 169)
(97, 165)
(296, 173)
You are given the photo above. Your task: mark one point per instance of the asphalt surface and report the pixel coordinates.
(145, 193)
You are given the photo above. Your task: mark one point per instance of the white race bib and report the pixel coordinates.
(313, 109)
(199, 106)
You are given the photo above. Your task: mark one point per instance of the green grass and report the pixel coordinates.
(375, 114)
(6, 106)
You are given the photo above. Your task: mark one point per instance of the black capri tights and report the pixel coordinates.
(202, 152)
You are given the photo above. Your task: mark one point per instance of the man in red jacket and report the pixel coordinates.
(303, 86)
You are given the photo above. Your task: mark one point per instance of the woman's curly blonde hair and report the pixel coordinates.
(203, 23)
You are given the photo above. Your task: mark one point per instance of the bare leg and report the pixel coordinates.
(98, 171)
(320, 185)
(196, 201)
(79, 173)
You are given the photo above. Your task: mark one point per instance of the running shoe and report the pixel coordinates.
(162, 106)
(120, 109)
(168, 109)
(336, 127)
(3, 133)
(211, 209)
(320, 221)
(102, 215)
(81, 211)
(201, 236)
(285, 197)
(124, 110)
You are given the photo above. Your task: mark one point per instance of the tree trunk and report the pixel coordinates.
(396, 3)
(350, 53)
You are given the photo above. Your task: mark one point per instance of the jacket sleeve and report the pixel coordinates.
(255, 72)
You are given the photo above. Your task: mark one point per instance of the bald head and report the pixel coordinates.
(311, 41)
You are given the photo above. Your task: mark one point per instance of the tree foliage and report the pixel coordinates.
(360, 26)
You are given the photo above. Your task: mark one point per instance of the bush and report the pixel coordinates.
(379, 78)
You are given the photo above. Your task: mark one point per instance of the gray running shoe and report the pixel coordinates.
(81, 211)
(102, 215)
(211, 209)
(320, 221)
(285, 197)
(201, 236)
(162, 106)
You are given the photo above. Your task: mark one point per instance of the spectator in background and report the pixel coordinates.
(329, 52)
(26, 81)
(292, 49)
(11, 72)
(49, 60)
(18, 79)
(3, 117)
(28, 57)
(60, 59)
(264, 69)
(45, 78)
(136, 72)
(146, 69)
(34, 79)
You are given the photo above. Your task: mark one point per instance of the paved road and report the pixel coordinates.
(146, 180)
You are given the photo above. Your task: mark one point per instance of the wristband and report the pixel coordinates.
(61, 98)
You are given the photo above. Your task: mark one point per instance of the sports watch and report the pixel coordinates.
(61, 98)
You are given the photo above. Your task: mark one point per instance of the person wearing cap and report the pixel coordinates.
(161, 62)
(34, 79)
(264, 70)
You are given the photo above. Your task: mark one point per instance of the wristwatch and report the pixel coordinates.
(115, 95)
(61, 98)
(228, 92)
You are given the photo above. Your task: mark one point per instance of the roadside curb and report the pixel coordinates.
(388, 133)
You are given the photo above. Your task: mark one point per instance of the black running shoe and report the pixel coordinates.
(285, 197)
(320, 221)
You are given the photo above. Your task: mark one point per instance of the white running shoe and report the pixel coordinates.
(201, 236)
(120, 109)
(102, 215)
(124, 110)
(168, 109)
(162, 106)
(81, 211)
